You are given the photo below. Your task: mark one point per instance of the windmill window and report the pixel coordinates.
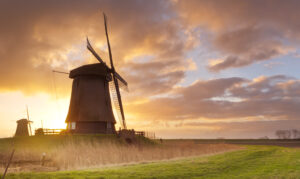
(108, 125)
(73, 125)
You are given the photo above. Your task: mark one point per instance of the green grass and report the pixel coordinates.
(252, 162)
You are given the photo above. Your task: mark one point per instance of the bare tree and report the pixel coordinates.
(283, 134)
(288, 134)
(279, 134)
(296, 134)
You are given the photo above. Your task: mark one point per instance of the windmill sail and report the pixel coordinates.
(122, 83)
(117, 81)
(116, 105)
(30, 132)
(115, 78)
(120, 102)
(90, 48)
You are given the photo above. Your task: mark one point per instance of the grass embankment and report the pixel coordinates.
(62, 151)
(252, 162)
(53, 141)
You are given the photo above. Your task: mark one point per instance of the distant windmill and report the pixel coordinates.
(90, 109)
(23, 126)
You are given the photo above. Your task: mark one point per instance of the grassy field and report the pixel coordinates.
(251, 162)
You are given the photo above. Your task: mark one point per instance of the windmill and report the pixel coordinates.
(23, 126)
(90, 109)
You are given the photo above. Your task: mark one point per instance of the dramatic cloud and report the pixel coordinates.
(245, 47)
(244, 32)
(39, 36)
(230, 99)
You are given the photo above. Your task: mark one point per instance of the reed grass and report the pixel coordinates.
(73, 154)
(89, 155)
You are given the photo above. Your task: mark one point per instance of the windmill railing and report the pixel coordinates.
(43, 131)
(130, 133)
(150, 135)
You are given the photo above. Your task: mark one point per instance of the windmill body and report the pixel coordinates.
(90, 109)
(22, 128)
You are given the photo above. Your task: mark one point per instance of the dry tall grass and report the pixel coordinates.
(83, 155)
(93, 154)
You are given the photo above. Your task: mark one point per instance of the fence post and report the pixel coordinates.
(10, 159)
(43, 159)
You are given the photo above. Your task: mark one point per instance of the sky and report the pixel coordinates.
(195, 69)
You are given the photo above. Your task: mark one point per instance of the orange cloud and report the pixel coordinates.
(273, 98)
(45, 35)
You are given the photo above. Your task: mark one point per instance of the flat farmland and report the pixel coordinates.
(273, 142)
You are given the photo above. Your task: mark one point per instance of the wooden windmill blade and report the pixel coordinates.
(115, 79)
(30, 132)
(116, 104)
(91, 49)
(108, 45)
(123, 86)
(122, 83)
(120, 102)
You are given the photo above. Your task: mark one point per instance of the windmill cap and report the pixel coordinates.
(97, 69)
(22, 121)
